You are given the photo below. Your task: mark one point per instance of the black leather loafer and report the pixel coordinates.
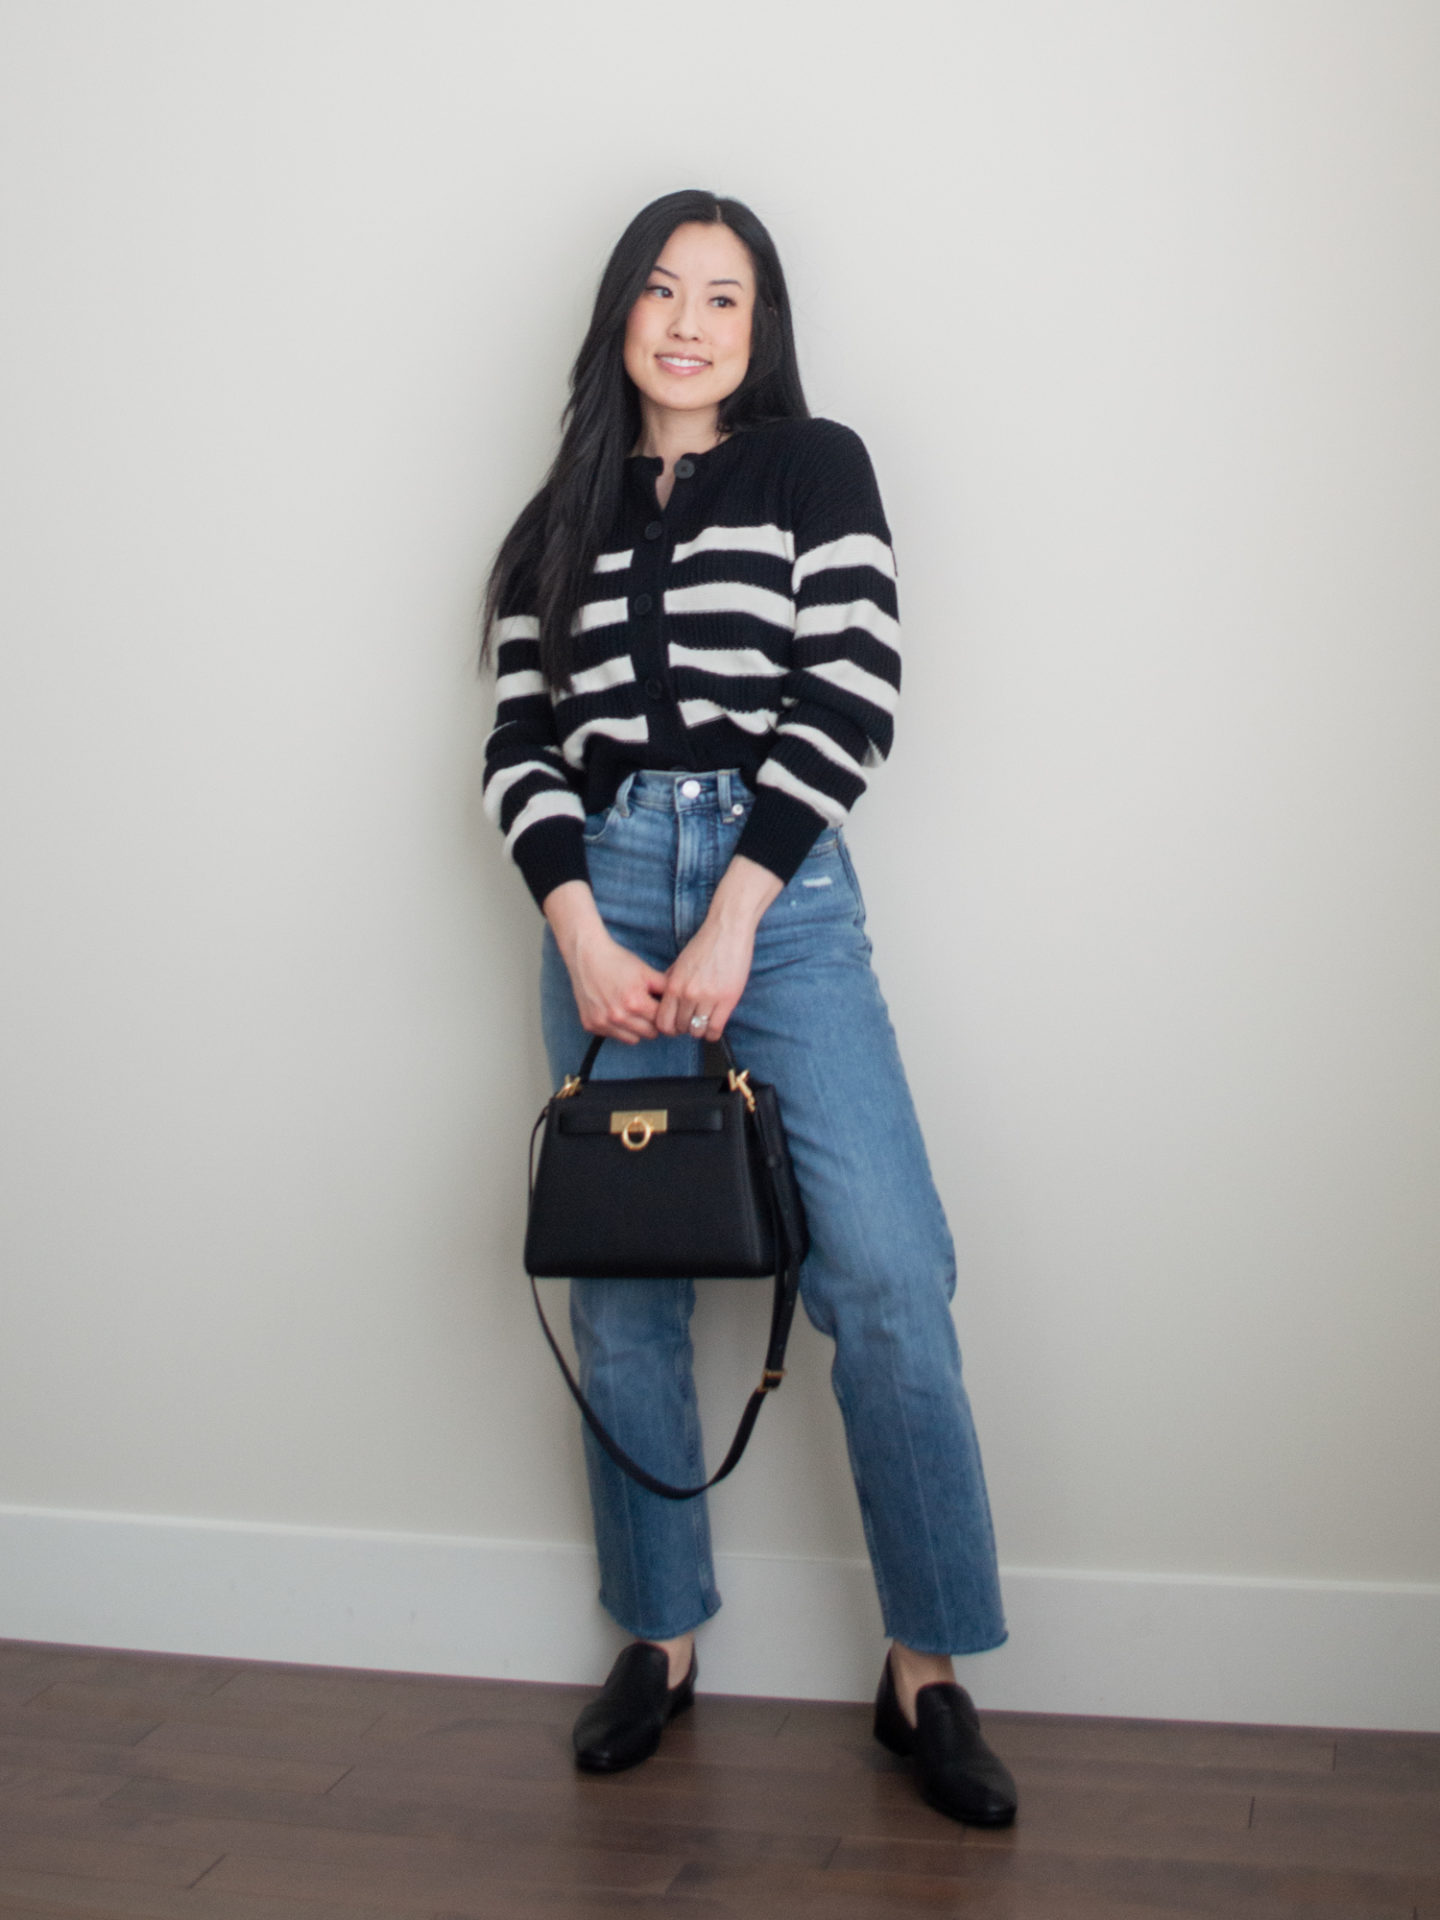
(622, 1725)
(958, 1774)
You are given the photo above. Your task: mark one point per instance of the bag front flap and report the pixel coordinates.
(591, 1118)
(690, 1105)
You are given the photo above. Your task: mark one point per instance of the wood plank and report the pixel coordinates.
(119, 1903)
(1398, 1810)
(1399, 1830)
(29, 1722)
(444, 1879)
(1185, 1743)
(305, 1742)
(148, 1761)
(104, 1858)
(521, 1903)
(23, 1675)
(93, 1705)
(511, 1752)
(1414, 1757)
(428, 1697)
(51, 1894)
(55, 1784)
(106, 1667)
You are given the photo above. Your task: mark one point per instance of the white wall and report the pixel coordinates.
(1136, 307)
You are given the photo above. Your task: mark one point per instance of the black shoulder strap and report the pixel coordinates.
(790, 1251)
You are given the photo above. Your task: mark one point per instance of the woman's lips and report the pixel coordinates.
(681, 365)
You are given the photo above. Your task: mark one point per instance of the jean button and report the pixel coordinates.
(690, 789)
(737, 810)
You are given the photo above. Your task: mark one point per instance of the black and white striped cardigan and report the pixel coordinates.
(751, 624)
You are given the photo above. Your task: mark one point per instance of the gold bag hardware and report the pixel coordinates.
(637, 1129)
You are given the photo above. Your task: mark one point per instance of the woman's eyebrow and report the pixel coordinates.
(657, 268)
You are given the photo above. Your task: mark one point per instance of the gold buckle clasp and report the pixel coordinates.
(637, 1130)
(771, 1378)
(572, 1083)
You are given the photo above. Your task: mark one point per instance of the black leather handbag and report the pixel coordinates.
(661, 1179)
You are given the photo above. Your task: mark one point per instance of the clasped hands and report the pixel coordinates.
(621, 997)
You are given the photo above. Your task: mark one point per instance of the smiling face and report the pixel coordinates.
(687, 340)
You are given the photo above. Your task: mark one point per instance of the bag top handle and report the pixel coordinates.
(592, 1053)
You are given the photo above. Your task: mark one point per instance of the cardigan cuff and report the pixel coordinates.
(550, 853)
(780, 832)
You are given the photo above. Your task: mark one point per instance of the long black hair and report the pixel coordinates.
(559, 533)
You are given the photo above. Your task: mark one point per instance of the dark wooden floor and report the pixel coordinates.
(154, 1785)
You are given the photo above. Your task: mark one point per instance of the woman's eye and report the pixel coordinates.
(723, 300)
(657, 288)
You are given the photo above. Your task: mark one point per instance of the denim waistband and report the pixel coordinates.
(676, 791)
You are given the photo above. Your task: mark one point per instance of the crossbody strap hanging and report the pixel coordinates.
(790, 1251)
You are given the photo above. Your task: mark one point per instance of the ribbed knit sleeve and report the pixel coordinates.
(841, 691)
(530, 792)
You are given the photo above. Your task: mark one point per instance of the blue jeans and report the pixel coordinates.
(881, 1268)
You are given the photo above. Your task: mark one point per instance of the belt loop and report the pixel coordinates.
(622, 796)
(722, 789)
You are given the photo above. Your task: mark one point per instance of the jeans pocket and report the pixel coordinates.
(597, 825)
(852, 878)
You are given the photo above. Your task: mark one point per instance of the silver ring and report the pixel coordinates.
(699, 1022)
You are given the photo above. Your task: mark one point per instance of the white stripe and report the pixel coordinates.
(778, 541)
(500, 783)
(733, 596)
(746, 663)
(860, 613)
(850, 550)
(773, 774)
(831, 749)
(614, 562)
(518, 686)
(869, 686)
(518, 626)
(636, 729)
(545, 806)
(698, 713)
(617, 672)
(600, 613)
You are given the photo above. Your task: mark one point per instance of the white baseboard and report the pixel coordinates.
(1286, 1652)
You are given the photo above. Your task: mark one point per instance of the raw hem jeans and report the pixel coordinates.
(881, 1268)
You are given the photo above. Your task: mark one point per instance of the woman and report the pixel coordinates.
(697, 661)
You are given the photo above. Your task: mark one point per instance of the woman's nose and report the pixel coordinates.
(685, 324)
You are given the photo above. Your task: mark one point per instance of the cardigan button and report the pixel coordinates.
(684, 468)
(655, 529)
(655, 689)
(642, 603)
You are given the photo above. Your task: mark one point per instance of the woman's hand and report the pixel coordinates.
(710, 973)
(616, 993)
